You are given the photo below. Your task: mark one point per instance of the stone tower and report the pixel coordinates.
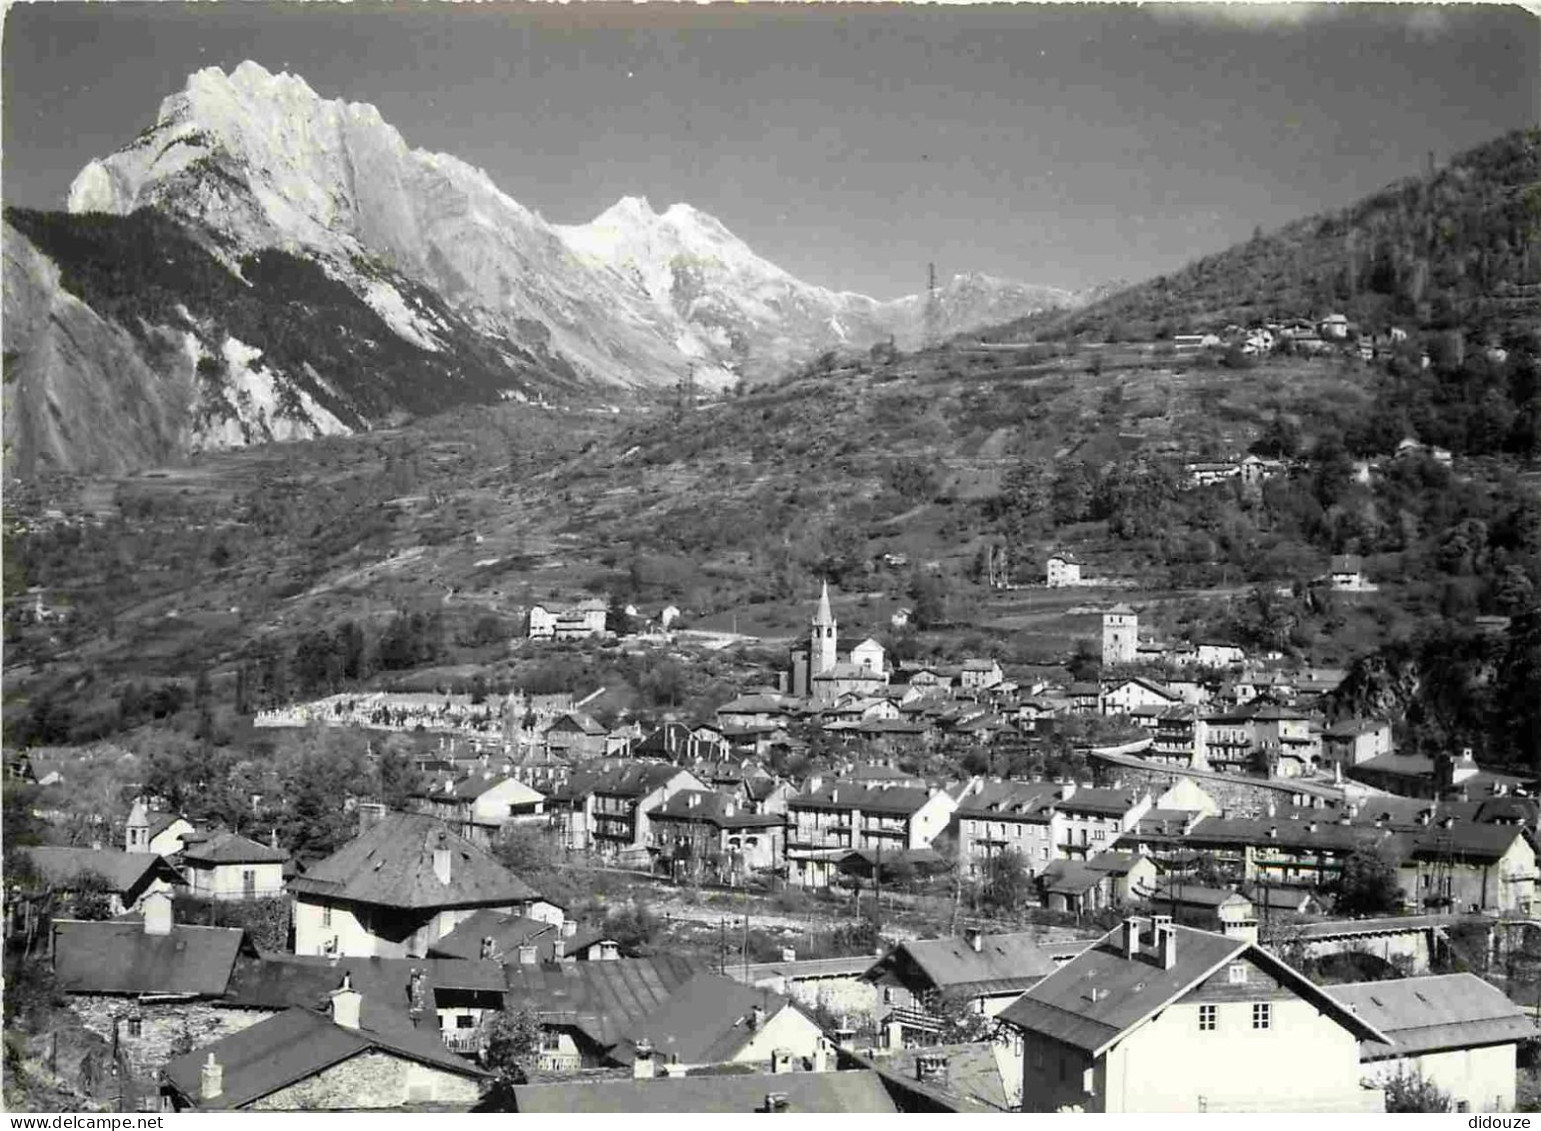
(136, 832)
(1120, 635)
(821, 637)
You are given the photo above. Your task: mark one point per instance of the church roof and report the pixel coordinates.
(822, 615)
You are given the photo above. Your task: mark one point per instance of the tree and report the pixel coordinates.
(1368, 884)
(90, 895)
(1413, 1091)
(525, 851)
(930, 597)
(1007, 882)
(513, 1051)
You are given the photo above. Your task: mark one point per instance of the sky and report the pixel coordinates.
(1062, 144)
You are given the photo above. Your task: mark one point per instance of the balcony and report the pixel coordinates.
(465, 1042)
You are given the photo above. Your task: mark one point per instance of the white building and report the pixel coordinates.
(1120, 635)
(1063, 569)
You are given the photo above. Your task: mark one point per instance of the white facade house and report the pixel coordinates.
(1063, 569)
(230, 866)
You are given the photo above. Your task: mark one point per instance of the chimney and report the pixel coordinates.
(781, 1061)
(489, 951)
(157, 912)
(1067, 791)
(528, 954)
(1131, 937)
(346, 1003)
(975, 939)
(821, 1051)
(1167, 938)
(931, 1068)
(211, 1079)
(370, 813)
(559, 948)
(775, 1101)
(441, 858)
(642, 1067)
(569, 928)
(757, 1018)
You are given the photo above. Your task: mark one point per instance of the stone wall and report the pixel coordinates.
(1243, 796)
(167, 1029)
(373, 1080)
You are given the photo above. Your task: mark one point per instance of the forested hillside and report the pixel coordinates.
(1458, 250)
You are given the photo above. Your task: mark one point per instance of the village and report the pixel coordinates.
(1242, 877)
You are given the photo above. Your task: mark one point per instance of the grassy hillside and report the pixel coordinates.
(1455, 250)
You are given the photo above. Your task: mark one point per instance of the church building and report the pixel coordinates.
(820, 674)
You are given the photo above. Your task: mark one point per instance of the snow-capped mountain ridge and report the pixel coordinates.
(258, 160)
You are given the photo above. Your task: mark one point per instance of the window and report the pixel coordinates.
(248, 882)
(136, 1027)
(1206, 1019)
(1262, 1015)
(1237, 974)
(326, 916)
(465, 1021)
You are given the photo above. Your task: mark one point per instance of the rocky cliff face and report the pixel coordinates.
(635, 297)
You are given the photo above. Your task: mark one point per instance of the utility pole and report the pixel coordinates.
(931, 328)
(877, 881)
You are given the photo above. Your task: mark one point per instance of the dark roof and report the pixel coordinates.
(637, 779)
(1130, 990)
(973, 1072)
(1008, 800)
(1070, 877)
(508, 932)
(117, 957)
(714, 808)
(293, 1046)
(280, 981)
(830, 1092)
(391, 865)
(1002, 964)
(1442, 1011)
(705, 1021)
(125, 871)
(1195, 895)
(603, 999)
(232, 848)
(1092, 800)
(902, 800)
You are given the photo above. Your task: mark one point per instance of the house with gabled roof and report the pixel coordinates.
(586, 1009)
(130, 876)
(713, 1020)
(1454, 1030)
(702, 831)
(1157, 1017)
(827, 821)
(981, 972)
(480, 806)
(400, 886)
(230, 866)
(144, 984)
(310, 1060)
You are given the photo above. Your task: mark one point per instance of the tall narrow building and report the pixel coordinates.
(822, 636)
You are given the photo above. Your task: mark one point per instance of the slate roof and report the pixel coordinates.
(1430, 1014)
(636, 779)
(1002, 964)
(1009, 800)
(705, 1021)
(391, 865)
(117, 957)
(828, 1092)
(1131, 990)
(1109, 802)
(712, 807)
(602, 999)
(1070, 877)
(507, 931)
(868, 798)
(232, 848)
(973, 1072)
(281, 981)
(293, 1046)
(125, 871)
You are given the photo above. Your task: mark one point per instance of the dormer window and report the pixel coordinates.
(1237, 975)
